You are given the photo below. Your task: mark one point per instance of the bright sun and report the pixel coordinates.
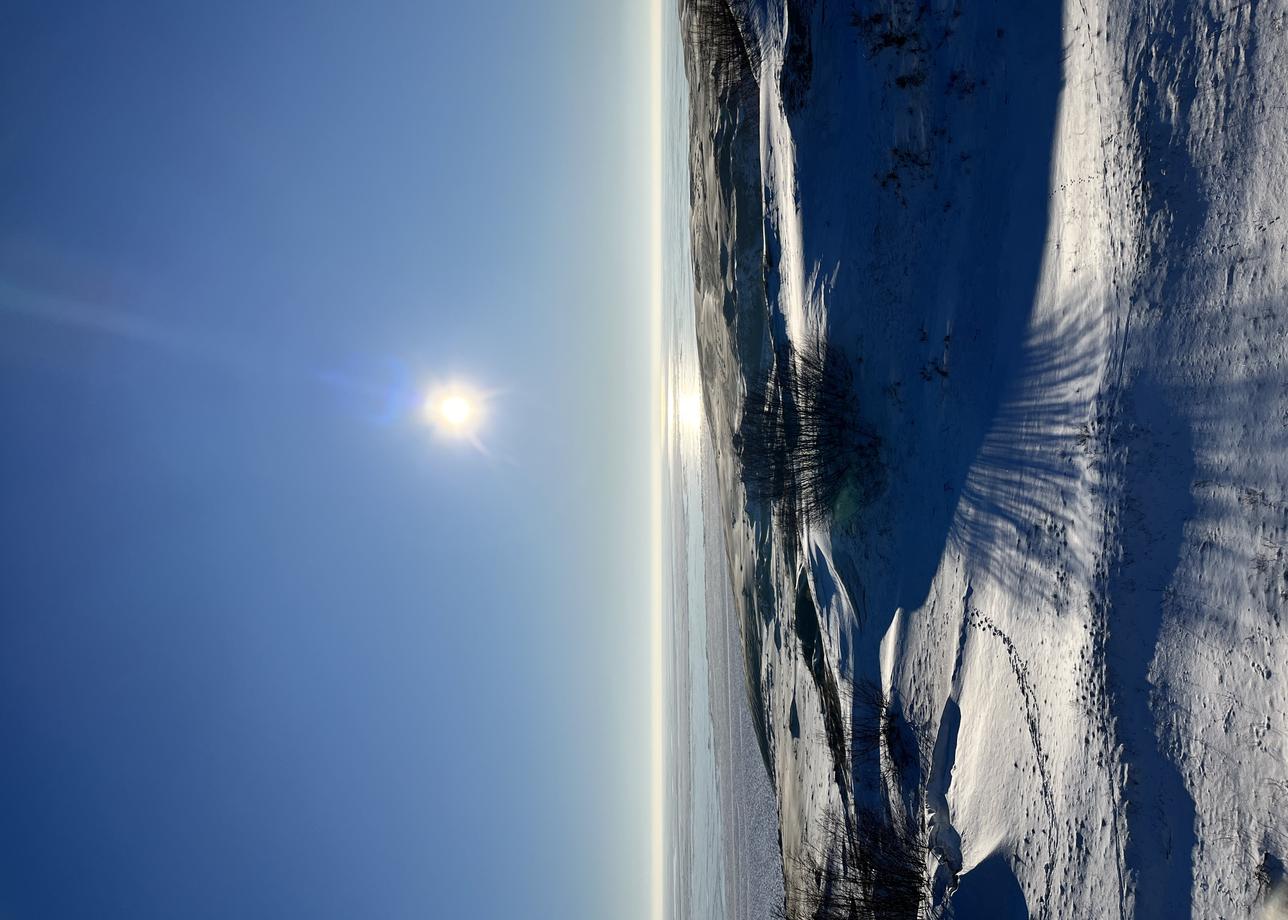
(455, 412)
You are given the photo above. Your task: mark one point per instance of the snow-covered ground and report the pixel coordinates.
(1052, 244)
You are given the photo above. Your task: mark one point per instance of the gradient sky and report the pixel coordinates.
(268, 649)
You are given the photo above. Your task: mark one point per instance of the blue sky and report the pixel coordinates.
(268, 648)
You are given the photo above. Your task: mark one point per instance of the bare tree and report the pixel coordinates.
(870, 867)
(801, 441)
(722, 44)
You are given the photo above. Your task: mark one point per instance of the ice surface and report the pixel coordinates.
(723, 825)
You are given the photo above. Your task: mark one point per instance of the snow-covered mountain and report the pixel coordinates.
(1015, 638)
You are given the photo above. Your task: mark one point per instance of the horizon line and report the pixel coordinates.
(657, 796)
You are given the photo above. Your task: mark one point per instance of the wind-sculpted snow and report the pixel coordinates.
(1045, 648)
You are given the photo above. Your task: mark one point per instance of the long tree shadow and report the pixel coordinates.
(967, 289)
(1156, 502)
(958, 301)
(1020, 487)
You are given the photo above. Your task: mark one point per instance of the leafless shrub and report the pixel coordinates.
(802, 445)
(880, 732)
(874, 718)
(869, 867)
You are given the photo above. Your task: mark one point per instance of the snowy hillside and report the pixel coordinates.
(1031, 661)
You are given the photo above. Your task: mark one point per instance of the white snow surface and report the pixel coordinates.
(1050, 240)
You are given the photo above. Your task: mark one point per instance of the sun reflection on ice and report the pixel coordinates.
(688, 411)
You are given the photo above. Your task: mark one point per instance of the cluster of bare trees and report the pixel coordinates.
(872, 866)
(722, 44)
(870, 861)
(801, 442)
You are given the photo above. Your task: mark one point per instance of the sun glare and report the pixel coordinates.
(688, 411)
(455, 412)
